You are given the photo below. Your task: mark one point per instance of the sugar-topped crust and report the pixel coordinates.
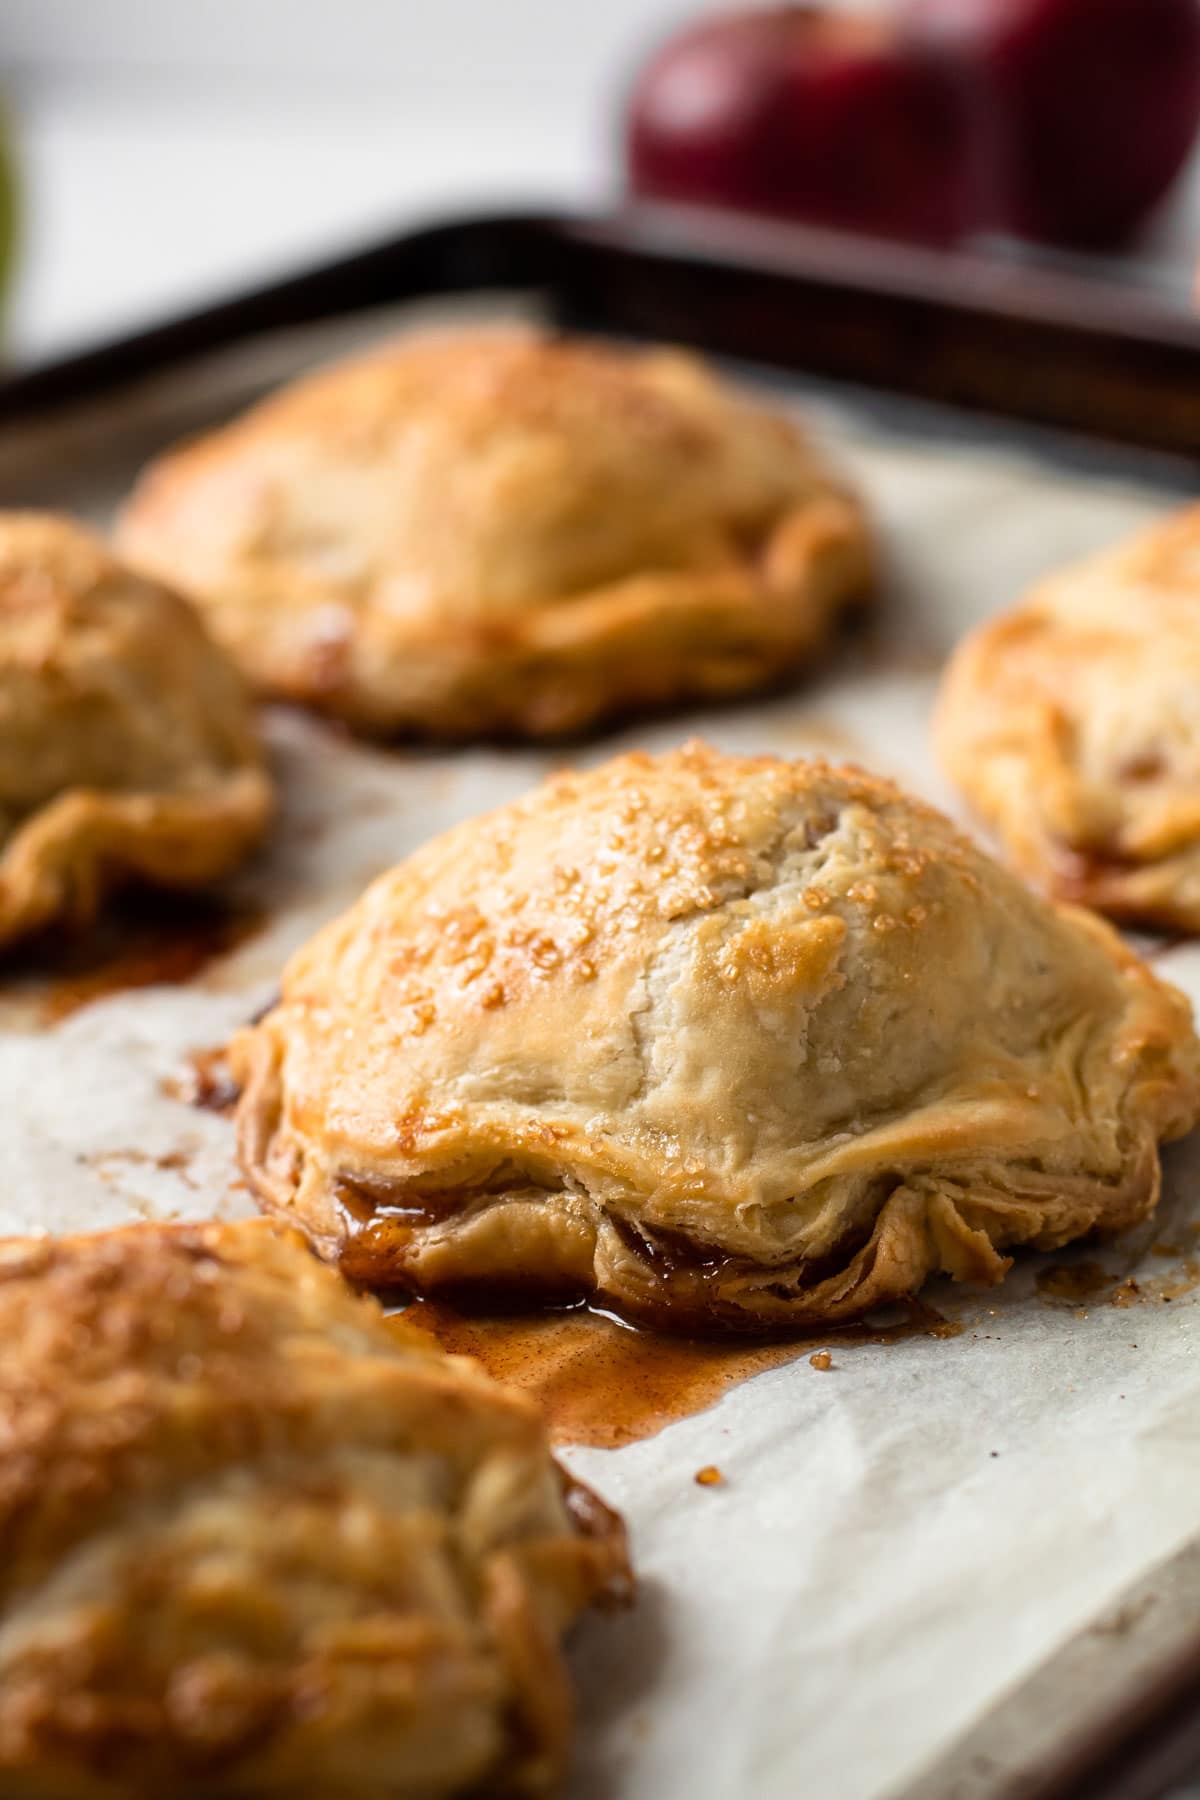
(258, 1541)
(1072, 723)
(504, 531)
(723, 1040)
(127, 744)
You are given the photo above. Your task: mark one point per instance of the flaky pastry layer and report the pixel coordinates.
(721, 1040)
(260, 1540)
(1072, 723)
(127, 745)
(500, 531)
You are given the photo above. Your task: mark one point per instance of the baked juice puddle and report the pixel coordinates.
(141, 939)
(604, 1383)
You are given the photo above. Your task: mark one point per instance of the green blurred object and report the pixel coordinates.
(10, 211)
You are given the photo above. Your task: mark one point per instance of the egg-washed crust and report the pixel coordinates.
(257, 1540)
(503, 532)
(1072, 723)
(127, 745)
(724, 1041)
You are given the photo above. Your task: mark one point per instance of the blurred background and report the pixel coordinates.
(173, 148)
(170, 150)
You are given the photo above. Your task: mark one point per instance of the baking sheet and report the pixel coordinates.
(897, 1539)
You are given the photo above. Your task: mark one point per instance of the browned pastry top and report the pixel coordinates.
(723, 1039)
(503, 530)
(127, 743)
(257, 1541)
(1073, 725)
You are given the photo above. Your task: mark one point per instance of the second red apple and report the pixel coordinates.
(800, 112)
(1100, 101)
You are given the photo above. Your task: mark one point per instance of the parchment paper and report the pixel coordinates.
(897, 1539)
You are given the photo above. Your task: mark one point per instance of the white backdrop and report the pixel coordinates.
(464, 44)
(175, 149)
(172, 148)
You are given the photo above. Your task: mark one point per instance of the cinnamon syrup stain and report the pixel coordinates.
(1080, 1282)
(1075, 1282)
(603, 1383)
(142, 940)
(206, 1082)
(1146, 1290)
(177, 1161)
(1185, 1281)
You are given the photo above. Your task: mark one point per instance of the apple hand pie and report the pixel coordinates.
(722, 1041)
(127, 745)
(258, 1543)
(1072, 723)
(505, 532)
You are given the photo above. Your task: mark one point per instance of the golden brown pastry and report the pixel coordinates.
(1073, 725)
(127, 747)
(505, 531)
(723, 1040)
(258, 1543)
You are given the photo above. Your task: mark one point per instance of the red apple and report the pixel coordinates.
(1101, 100)
(814, 115)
